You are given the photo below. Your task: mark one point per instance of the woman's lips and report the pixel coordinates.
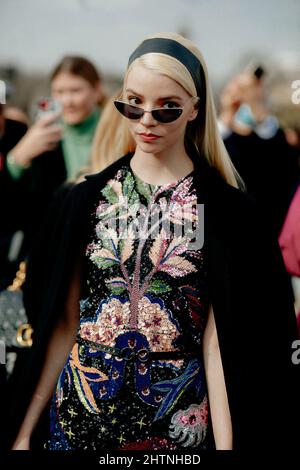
(149, 137)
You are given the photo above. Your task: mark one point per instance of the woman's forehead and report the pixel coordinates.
(63, 78)
(143, 80)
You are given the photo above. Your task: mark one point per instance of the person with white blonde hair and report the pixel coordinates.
(162, 325)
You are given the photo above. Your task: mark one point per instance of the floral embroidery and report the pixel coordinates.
(189, 427)
(145, 291)
(113, 319)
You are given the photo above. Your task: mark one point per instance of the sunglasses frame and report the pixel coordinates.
(152, 111)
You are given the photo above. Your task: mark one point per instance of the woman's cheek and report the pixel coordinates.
(81, 101)
(131, 127)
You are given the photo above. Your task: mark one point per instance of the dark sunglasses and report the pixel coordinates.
(163, 115)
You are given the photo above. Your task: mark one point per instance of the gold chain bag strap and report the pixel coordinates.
(15, 331)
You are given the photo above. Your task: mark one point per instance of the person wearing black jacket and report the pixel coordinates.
(258, 147)
(58, 144)
(13, 203)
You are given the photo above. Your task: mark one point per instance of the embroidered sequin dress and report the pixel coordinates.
(145, 294)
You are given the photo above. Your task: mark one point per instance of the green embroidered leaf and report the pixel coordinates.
(121, 246)
(103, 263)
(158, 287)
(110, 194)
(143, 188)
(117, 290)
(134, 200)
(109, 239)
(113, 191)
(128, 185)
(104, 258)
(106, 243)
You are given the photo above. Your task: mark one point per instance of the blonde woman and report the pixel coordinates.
(149, 338)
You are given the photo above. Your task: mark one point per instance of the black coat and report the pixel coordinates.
(42, 179)
(25, 202)
(249, 291)
(24, 205)
(270, 170)
(13, 204)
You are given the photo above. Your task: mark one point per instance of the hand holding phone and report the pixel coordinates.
(43, 136)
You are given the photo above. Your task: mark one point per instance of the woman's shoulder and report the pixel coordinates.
(224, 197)
(95, 181)
(239, 199)
(233, 211)
(216, 191)
(108, 171)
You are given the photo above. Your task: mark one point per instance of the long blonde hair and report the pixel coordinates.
(202, 133)
(108, 143)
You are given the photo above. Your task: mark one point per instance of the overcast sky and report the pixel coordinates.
(36, 33)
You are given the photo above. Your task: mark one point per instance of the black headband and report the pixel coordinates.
(176, 50)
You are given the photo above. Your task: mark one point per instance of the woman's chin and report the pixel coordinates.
(149, 147)
(73, 119)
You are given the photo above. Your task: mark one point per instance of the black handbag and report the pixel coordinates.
(15, 331)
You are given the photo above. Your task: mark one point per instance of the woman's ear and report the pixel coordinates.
(194, 111)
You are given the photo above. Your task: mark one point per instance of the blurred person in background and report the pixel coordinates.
(16, 114)
(289, 238)
(12, 202)
(289, 241)
(58, 145)
(11, 220)
(257, 145)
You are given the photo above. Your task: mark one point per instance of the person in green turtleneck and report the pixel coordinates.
(76, 143)
(76, 86)
(58, 145)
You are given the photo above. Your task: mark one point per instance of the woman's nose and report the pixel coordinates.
(147, 119)
(66, 99)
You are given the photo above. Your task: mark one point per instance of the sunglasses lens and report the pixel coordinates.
(167, 115)
(129, 111)
(163, 115)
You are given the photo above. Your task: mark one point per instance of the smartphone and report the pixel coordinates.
(46, 105)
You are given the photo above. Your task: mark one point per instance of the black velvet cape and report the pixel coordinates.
(248, 287)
